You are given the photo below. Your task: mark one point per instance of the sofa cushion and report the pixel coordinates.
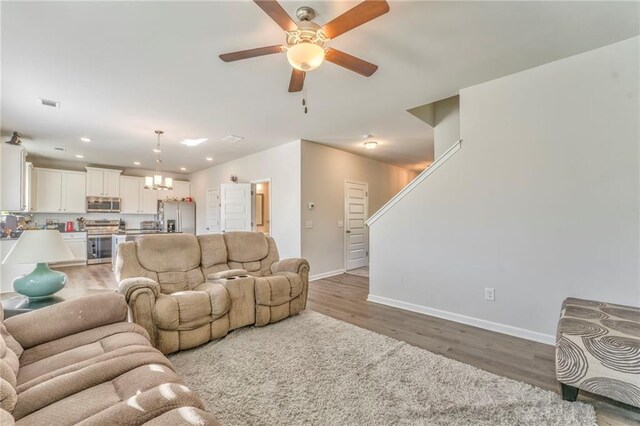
(11, 342)
(72, 398)
(188, 310)
(214, 250)
(246, 246)
(168, 252)
(9, 359)
(86, 353)
(278, 289)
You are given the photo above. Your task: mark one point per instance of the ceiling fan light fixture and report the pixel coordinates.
(305, 56)
(371, 144)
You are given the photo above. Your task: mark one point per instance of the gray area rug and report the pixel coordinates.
(313, 369)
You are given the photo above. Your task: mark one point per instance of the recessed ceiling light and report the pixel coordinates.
(85, 139)
(193, 142)
(232, 139)
(79, 156)
(49, 103)
(184, 169)
(137, 163)
(209, 158)
(157, 150)
(370, 144)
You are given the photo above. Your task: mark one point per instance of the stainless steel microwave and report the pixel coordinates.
(103, 205)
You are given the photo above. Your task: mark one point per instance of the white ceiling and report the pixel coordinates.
(123, 69)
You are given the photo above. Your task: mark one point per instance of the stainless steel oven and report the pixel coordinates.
(98, 249)
(103, 205)
(99, 236)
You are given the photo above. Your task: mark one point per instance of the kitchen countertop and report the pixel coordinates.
(141, 232)
(64, 232)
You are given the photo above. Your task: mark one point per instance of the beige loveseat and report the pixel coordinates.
(186, 290)
(80, 362)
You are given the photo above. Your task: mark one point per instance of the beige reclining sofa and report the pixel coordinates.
(186, 290)
(81, 362)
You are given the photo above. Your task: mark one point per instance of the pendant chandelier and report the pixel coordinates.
(157, 182)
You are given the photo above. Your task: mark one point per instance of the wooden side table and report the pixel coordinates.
(15, 304)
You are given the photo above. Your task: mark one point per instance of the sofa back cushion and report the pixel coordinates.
(245, 247)
(174, 257)
(214, 254)
(251, 251)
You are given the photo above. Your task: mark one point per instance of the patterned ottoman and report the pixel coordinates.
(598, 350)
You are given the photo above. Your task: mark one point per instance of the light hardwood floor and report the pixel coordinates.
(344, 297)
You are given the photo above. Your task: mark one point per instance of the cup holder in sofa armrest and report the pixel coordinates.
(231, 273)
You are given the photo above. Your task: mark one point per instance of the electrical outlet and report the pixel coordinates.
(490, 294)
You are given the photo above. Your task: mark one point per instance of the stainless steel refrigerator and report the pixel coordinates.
(177, 216)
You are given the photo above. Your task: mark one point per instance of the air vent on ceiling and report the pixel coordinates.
(232, 139)
(49, 103)
(57, 148)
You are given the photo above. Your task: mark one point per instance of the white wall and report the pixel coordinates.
(446, 129)
(282, 165)
(324, 171)
(542, 202)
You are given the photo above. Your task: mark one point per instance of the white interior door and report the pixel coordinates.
(356, 203)
(235, 207)
(213, 211)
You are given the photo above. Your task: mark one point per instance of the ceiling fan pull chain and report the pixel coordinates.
(304, 99)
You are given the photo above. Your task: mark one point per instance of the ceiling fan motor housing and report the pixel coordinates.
(307, 32)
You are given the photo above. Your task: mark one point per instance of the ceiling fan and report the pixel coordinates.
(305, 39)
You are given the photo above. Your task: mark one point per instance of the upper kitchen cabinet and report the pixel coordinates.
(181, 189)
(59, 191)
(135, 198)
(14, 179)
(103, 182)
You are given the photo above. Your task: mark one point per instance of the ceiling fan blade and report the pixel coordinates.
(350, 62)
(297, 80)
(277, 13)
(252, 53)
(360, 14)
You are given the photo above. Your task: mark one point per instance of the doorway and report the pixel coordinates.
(262, 210)
(356, 209)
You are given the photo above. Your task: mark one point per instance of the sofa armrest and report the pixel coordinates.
(67, 318)
(226, 274)
(129, 285)
(290, 265)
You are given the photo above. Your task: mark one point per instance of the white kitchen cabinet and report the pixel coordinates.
(103, 182)
(48, 187)
(181, 189)
(73, 192)
(148, 200)
(13, 170)
(135, 198)
(59, 191)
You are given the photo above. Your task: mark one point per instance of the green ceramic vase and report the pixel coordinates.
(41, 283)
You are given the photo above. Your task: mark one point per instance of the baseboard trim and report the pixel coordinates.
(475, 322)
(326, 275)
